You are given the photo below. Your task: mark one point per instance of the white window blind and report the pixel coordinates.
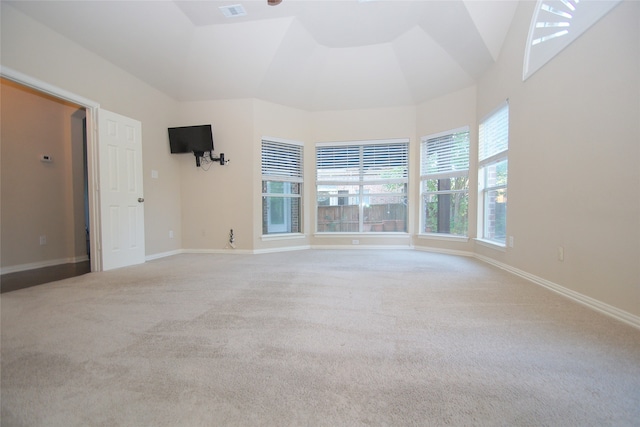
(446, 154)
(385, 162)
(338, 163)
(367, 162)
(282, 161)
(493, 135)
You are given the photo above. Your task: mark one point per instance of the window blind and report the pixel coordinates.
(282, 161)
(493, 135)
(369, 162)
(445, 154)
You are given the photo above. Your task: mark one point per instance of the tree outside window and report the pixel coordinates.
(444, 176)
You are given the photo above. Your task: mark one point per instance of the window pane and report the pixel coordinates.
(385, 161)
(345, 204)
(495, 215)
(338, 195)
(385, 212)
(493, 135)
(275, 187)
(446, 213)
(281, 160)
(281, 215)
(445, 154)
(495, 174)
(340, 163)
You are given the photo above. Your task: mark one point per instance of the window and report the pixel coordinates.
(444, 182)
(557, 23)
(282, 182)
(362, 187)
(493, 147)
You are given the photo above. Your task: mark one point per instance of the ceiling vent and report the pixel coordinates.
(233, 10)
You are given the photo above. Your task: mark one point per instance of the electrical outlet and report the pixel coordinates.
(171, 234)
(510, 241)
(355, 242)
(43, 240)
(560, 253)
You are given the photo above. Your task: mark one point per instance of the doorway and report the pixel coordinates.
(45, 212)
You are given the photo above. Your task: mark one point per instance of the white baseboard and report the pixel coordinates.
(42, 264)
(594, 304)
(163, 255)
(444, 251)
(218, 251)
(284, 249)
(361, 247)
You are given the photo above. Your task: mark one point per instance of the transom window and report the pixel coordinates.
(557, 23)
(282, 183)
(444, 182)
(361, 187)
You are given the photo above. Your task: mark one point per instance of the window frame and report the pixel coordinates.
(288, 171)
(491, 159)
(426, 176)
(348, 159)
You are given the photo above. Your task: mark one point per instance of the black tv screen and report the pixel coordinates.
(191, 139)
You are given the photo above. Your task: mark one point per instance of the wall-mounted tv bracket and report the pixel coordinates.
(200, 154)
(218, 159)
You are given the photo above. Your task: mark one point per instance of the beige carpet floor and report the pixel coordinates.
(317, 337)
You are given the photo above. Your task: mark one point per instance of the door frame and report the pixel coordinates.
(91, 108)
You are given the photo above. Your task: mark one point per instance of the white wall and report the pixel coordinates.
(32, 49)
(219, 199)
(574, 154)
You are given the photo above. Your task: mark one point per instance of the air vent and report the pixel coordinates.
(233, 10)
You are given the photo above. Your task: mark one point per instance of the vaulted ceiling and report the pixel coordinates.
(313, 55)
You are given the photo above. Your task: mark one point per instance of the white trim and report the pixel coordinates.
(364, 142)
(461, 129)
(92, 108)
(368, 247)
(284, 249)
(282, 141)
(227, 250)
(334, 234)
(493, 111)
(163, 255)
(47, 88)
(42, 264)
(594, 304)
(491, 244)
(444, 251)
(445, 237)
(282, 236)
(494, 159)
(232, 251)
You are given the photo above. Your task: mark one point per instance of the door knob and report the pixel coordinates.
(140, 199)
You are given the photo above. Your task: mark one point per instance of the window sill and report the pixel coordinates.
(492, 245)
(364, 234)
(283, 236)
(446, 237)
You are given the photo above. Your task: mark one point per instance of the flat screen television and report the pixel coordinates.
(191, 139)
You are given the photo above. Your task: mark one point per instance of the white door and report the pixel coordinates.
(121, 196)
